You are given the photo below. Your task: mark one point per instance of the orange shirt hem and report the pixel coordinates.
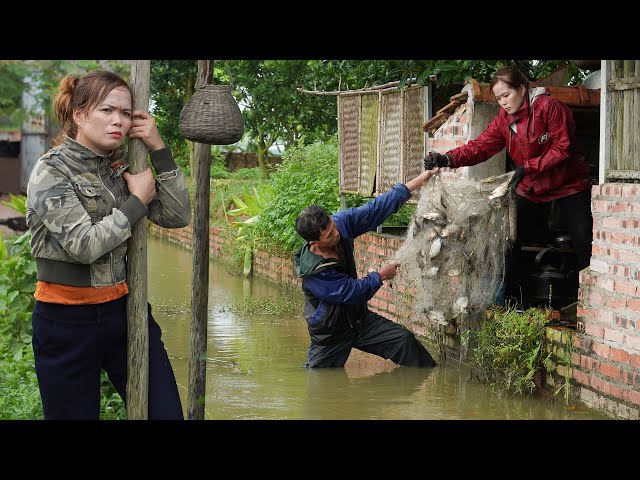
(69, 295)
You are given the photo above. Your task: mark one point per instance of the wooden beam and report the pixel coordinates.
(137, 313)
(604, 155)
(575, 96)
(629, 83)
(200, 275)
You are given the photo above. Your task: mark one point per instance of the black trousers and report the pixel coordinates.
(73, 343)
(571, 213)
(377, 335)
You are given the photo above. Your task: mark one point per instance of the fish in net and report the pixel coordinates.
(454, 252)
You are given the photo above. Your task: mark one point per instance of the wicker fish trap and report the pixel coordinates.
(212, 116)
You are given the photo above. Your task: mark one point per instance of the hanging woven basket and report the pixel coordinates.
(212, 116)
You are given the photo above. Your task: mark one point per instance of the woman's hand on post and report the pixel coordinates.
(142, 185)
(143, 126)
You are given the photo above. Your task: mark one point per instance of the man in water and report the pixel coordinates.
(336, 299)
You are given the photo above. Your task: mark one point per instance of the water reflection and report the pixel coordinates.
(255, 365)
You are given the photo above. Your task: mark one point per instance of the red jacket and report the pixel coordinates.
(545, 145)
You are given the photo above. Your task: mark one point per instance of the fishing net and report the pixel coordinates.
(454, 252)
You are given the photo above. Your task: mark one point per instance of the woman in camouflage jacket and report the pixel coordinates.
(81, 206)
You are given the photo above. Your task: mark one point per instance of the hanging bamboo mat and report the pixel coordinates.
(390, 141)
(349, 125)
(368, 143)
(413, 134)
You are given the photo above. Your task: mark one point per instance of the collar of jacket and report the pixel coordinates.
(526, 108)
(307, 263)
(79, 151)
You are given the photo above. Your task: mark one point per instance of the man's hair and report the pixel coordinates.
(311, 222)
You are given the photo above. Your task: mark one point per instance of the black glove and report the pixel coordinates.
(435, 159)
(517, 177)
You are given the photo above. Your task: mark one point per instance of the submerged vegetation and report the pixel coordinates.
(280, 306)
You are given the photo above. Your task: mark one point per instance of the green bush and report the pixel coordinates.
(218, 169)
(509, 348)
(19, 394)
(307, 175)
(246, 174)
(17, 284)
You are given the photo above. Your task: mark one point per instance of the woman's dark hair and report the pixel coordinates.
(311, 222)
(83, 94)
(511, 76)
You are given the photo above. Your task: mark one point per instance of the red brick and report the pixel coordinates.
(588, 363)
(599, 206)
(634, 397)
(632, 342)
(609, 370)
(582, 343)
(596, 300)
(580, 377)
(631, 223)
(611, 222)
(625, 287)
(604, 316)
(612, 190)
(617, 355)
(625, 322)
(630, 190)
(613, 335)
(598, 251)
(633, 304)
(601, 385)
(617, 303)
(619, 392)
(621, 207)
(626, 255)
(594, 330)
(634, 360)
(601, 349)
(604, 283)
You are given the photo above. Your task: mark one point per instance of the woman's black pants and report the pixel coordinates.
(73, 343)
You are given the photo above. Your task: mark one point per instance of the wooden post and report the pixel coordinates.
(200, 282)
(137, 315)
(604, 159)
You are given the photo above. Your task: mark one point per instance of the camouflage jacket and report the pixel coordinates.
(80, 213)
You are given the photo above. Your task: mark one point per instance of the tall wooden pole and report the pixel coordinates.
(200, 281)
(138, 331)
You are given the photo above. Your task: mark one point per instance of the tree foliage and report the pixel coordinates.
(307, 176)
(171, 85)
(47, 74)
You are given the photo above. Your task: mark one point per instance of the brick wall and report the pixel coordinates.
(237, 160)
(606, 363)
(454, 132)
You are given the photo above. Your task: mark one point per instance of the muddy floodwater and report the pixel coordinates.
(255, 365)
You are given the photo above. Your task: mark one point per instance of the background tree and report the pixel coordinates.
(172, 84)
(48, 74)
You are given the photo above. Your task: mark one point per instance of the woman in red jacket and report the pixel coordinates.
(538, 132)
